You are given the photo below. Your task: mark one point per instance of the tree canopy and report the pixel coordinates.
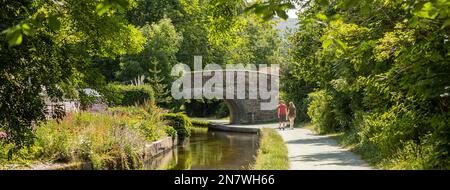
(377, 71)
(380, 72)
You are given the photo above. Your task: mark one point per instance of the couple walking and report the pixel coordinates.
(285, 113)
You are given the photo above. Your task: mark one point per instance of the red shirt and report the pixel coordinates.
(282, 109)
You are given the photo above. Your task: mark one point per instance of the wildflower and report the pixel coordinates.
(3, 135)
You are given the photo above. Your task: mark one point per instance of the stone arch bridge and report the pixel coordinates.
(242, 110)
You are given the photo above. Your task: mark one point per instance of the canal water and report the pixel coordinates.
(210, 150)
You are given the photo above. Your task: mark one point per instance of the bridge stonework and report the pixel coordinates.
(248, 110)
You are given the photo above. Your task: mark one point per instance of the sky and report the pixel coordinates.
(292, 13)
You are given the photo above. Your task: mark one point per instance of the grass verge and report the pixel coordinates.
(272, 154)
(199, 122)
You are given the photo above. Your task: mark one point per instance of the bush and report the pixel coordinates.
(200, 123)
(136, 95)
(128, 95)
(112, 95)
(108, 142)
(321, 112)
(180, 122)
(170, 131)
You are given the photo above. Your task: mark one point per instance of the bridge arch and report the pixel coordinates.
(242, 111)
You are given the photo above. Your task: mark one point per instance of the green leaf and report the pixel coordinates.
(26, 29)
(282, 14)
(13, 35)
(322, 17)
(268, 16)
(286, 6)
(106, 5)
(413, 21)
(18, 39)
(341, 44)
(427, 11)
(54, 23)
(14, 38)
(122, 3)
(323, 2)
(446, 23)
(327, 43)
(102, 8)
(261, 10)
(347, 4)
(251, 8)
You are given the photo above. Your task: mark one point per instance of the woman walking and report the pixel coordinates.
(292, 114)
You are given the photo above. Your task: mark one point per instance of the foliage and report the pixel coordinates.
(200, 123)
(180, 122)
(127, 95)
(321, 112)
(223, 111)
(206, 108)
(61, 46)
(381, 74)
(269, 8)
(48, 45)
(136, 95)
(296, 90)
(86, 100)
(150, 11)
(160, 55)
(170, 131)
(272, 153)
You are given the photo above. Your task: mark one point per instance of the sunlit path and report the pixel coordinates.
(308, 151)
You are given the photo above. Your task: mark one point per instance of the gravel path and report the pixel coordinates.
(308, 151)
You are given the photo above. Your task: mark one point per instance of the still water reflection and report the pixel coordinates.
(210, 150)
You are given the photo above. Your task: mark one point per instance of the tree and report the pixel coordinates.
(48, 45)
(382, 77)
(151, 11)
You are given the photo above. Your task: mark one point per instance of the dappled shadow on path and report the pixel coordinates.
(330, 158)
(316, 140)
(321, 152)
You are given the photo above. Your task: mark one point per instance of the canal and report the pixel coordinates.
(209, 150)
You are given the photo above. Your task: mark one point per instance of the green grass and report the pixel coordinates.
(199, 122)
(272, 154)
(199, 129)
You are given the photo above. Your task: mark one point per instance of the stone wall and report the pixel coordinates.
(159, 147)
